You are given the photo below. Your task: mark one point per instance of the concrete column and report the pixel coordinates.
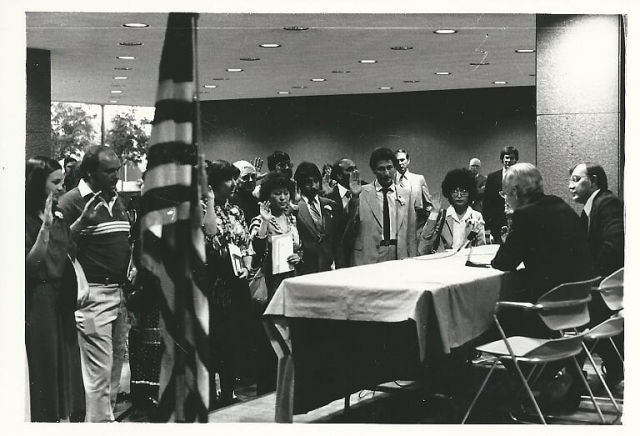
(579, 97)
(38, 125)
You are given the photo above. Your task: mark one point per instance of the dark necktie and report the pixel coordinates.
(386, 225)
(315, 214)
(584, 221)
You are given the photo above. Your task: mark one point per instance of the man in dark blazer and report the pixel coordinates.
(481, 181)
(603, 218)
(316, 222)
(493, 207)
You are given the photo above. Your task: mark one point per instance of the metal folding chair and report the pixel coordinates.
(563, 308)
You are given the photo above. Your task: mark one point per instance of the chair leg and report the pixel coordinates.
(617, 352)
(531, 396)
(586, 384)
(599, 374)
(484, 383)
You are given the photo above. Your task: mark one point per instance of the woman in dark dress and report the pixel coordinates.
(53, 356)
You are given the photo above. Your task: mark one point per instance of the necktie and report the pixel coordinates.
(345, 204)
(584, 221)
(386, 225)
(315, 214)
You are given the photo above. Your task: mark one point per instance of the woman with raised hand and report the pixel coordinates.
(53, 356)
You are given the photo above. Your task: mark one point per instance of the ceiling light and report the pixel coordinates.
(220, 78)
(130, 44)
(120, 77)
(532, 75)
(442, 73)
(475, 64)
(122, 68)
(298, 87)
(270, 45)
(126, 58)
(113, 101)
(500, 82)
(296, 28)
(318, 80)
(401, 47)
(283, 92)
(249, 59)
(135, 25)
(385, 88)
(234, 70)
(116, 91)
(525, 50)
(411, 81)
(210, 86)
(445, 31)
(368, 61)
(341, 71)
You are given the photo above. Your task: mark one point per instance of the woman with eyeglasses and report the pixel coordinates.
(459, 225)
(245, 185)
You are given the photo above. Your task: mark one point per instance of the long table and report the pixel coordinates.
(341, 331)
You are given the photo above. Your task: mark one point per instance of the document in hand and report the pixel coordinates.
(282, 248)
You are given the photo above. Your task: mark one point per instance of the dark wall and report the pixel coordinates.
(440, 129)
(38, 128)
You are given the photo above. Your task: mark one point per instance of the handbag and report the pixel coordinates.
(258, 288)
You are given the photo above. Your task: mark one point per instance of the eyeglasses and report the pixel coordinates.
(503, 194)
(284, 165)
(460, 193)
(248, 177)
(576, 179)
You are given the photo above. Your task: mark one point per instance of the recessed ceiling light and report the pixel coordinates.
(500, 82)
(250, 59)
(120, 77)
(475, 64)
(135, 25)
(532, 75)
(445, 31)
(318, 80)
(113, 101)
(401, 47)
(123, 68)
(283, 92)
(368, 61)
(298, 87)
(385, 88)
(130, 44)
(442, 73)
(126, 58)
(210, 86)
(234, 70)
(525, 50)
(296, 28)
(411, 81)
(341, 71)
(115, 91)
(220, 78)
(270, 45)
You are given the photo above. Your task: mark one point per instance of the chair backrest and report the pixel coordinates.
(612, 289)
(566, 305)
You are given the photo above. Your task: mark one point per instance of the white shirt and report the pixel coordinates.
(392, 198)
(589, 204)
(343, 195)
(85, 190)
(459, 230)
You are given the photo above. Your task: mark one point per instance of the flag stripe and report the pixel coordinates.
(173, 101)
(166, 175)
(170, 151)
(169, 130)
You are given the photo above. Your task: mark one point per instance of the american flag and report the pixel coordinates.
(172, 252)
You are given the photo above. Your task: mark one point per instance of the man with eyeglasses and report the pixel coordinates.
(602, 219)
(493, 209)
(245, 185)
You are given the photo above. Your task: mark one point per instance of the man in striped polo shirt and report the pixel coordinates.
(104, 253)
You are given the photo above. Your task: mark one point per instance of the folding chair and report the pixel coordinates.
(562, 308)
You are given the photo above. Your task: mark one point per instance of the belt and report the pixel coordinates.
(388, 242)
(106, 280)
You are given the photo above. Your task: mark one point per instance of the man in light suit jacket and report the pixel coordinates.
(384, 216)
(316, 222)
(341, 194)
(474, 166)
(418, 186)
(603, 220)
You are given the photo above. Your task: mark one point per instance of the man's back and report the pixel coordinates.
(606, 232)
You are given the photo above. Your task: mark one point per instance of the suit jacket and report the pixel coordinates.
(344, 233)
(481, 183)
(547, 236)
(606, 232)
(428, 237)
(493, 207)
(420, 192)
(319, 245)
(367, 220)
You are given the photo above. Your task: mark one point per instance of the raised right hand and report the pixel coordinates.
(354, 183)
(265, 211)
(47, 218)
(436, 202)
(91, 208)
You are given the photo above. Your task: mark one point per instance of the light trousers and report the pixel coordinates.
(103, 324)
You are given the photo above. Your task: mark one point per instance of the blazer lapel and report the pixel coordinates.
(372, 200)
(402, 207)
(305, 216)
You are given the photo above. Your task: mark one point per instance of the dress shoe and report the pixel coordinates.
(612, 376)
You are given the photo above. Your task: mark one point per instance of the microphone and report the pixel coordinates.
(471, 237)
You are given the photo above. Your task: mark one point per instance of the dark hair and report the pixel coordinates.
(460, 178)
(69, 159)
(72, 178)
(275, 158)
(220, 171)
(91, 159)
(382, 153)
(509, 149)
(595, 170)
(306, 170)
(402, 150)
(37, 172)
(273, 181)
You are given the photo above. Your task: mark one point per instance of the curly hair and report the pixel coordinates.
(220, 171)
(306, 170)
(37, 172)
(382, 153)
(461, 178)
(273, 181)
